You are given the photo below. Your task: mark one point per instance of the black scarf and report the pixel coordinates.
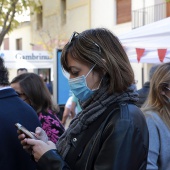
(92, 108)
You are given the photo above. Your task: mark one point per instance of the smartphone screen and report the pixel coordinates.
(25, 131)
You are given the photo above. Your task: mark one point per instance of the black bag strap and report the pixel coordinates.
(88, 133)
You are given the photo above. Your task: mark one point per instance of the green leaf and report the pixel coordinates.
(8, 11)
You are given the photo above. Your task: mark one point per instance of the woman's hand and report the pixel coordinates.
(21, 137)
(39, 147)
(40, 134)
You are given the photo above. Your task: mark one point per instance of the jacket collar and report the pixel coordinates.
(4, 87)
(7, 92)
(146, 84)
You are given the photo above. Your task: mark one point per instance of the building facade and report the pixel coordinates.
(52, 26)
(58, 19)
(18, 39)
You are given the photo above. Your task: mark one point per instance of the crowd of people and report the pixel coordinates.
(106, 123)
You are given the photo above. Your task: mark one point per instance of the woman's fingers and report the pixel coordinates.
(38, 130)
(31, 141)
(51, 145)
(40, 134)
(21, 136)
(38, 148)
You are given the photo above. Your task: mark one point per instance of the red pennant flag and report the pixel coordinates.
(139, 52)
(161, 54)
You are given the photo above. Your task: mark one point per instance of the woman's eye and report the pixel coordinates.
(75, 73)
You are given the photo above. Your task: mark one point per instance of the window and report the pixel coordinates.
(63, 11)
(19, 44)
(6, 43)
(123, 11)
(168, 9)
(40, 18)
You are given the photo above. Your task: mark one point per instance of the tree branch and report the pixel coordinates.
(6, 28)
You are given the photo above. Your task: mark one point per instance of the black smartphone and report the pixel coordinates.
(25, 131)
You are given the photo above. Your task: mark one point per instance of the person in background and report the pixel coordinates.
(143, 92)
(75, 106)
(21, 71)
(110, 132)
(13, 110)
(157, 113)
(31, 89)
(67, 114)
(47, 83)
(71, 109)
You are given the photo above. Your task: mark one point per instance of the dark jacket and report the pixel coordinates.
(143, 94)
(14, 110)
(120, 143)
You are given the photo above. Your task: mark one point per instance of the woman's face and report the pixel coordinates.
(77, 69)
(18, 89)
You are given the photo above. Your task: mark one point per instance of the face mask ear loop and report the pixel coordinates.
(100, 83)
(90, 71)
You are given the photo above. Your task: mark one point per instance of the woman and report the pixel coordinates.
(110, 132)
(157, 112)
(72, 107)
(31, 89)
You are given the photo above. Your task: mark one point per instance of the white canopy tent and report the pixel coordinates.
(150, 42)
(27, 59)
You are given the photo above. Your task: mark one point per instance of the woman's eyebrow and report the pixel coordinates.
(73, 67)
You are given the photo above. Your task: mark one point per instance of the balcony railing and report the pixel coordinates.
(148, 15)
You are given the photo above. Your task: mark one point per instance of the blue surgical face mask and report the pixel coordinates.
(79, 87)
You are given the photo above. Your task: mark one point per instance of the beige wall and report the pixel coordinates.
(77, 19)
(24, 32)
(102, 13)
(80, 15)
